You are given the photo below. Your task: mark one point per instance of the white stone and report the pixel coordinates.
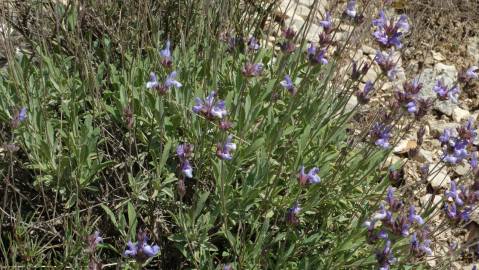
(438, 56)
(459, 114)
(473, 49)
(438, 179)
(437, 128)
(368, 50)
(404, 146)
(424, 156)
(430, 199)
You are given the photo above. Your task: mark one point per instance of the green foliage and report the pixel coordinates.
(80, 149)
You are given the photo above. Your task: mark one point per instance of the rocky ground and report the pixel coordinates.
(418, 59)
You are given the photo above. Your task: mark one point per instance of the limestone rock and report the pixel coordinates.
(459, 114)
(439, 179)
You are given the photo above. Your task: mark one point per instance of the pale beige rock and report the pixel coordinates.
(437, 56)
(404, 146)
(439, 179)
(430, 199)
(459, 114)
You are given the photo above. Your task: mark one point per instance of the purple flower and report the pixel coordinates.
(223, 150)
(253, 44)
(351, 9)
(452, 194)
(22, 115)
(413, 217)
(445, 93)
(394, 203)
(316, 56)
(411, 107)
(288, 33)
(471, 73)
(387, 33)
(455, 151)
(209, 107)
(311, 178)
(292, 214)
(252, 70)
(363, 96)
(93, 240)
(153, 82)
(287, 83)
(327, 22)
(380, 134)
(385, 257)
(171, 82)
(140, 250)
(445, 136)
(387, 64)
(474, 160)
(186, 169)
(165, 55)
(381, 214)
(420, 248)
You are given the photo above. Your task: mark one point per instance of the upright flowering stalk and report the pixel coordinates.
(445, 93)
(252, 70)
(385, 257)
(408, 97)
(184, 152)
(455, 148)
(223, 150)
(253, 44)
(19, 116)
(163, 88)
(387, 64)
(288, 46)
(316, 55)
(356, 71)
(141, 250)
(209, 107)
(380, 135)
(292, 216)
(388, 34)
(310, 178)
(420, 244)
(363, 96)
(165, 54)
(350, 10)
(287, 84)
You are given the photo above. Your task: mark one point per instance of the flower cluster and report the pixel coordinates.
(388, 33)
(363, 96)
(351, 13)
(444, 92)
(164, 87)
(292, 216)
(209, 107)
(455, 148)
(288, 46)
(393, 222)
(223, 150)
(458, 204)
(310, 178)
(288, 84)
(380, 135)
(357, 72)
(184, 152)
(18, 117)
(387, 64)
(141, 250)
(252, 70)
(165, 55)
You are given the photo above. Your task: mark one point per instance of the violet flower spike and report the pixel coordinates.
(313, 177)
(471, 73)
(287, 83)
(209, 107)
(413, 217)
(171, 81)
(387, 64)
(22, 115)
(445, 93)
(186, 169)
(153, 82)
(252, 70)
(327, 22)
(223, 150)
(141, 250)
(351, 8)
(452, 194)
(253, 44)
(166, 53)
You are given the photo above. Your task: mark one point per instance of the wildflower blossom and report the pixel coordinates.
(363, 96)
(388, 33)
(420, 247)
(252, 70)
(292, 214)
(413, 217)
(311, 177)
(165, 54)
(445, 93)
(163, 88)
(184, 151)
(452, 195)
(380, 134)
(472, 73)
(288, 33)
(225, 124)
(316, 55)
(394, 203)
(351, 9)
(253, 44)
(423, 105)
(327, 23)
(387, 64)
(19, 116)
(93, 240)
(171, 81)
(356, 71)
(287, 83)
(223, 151)
(385, 257)
(141, 250)
(210, 107)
